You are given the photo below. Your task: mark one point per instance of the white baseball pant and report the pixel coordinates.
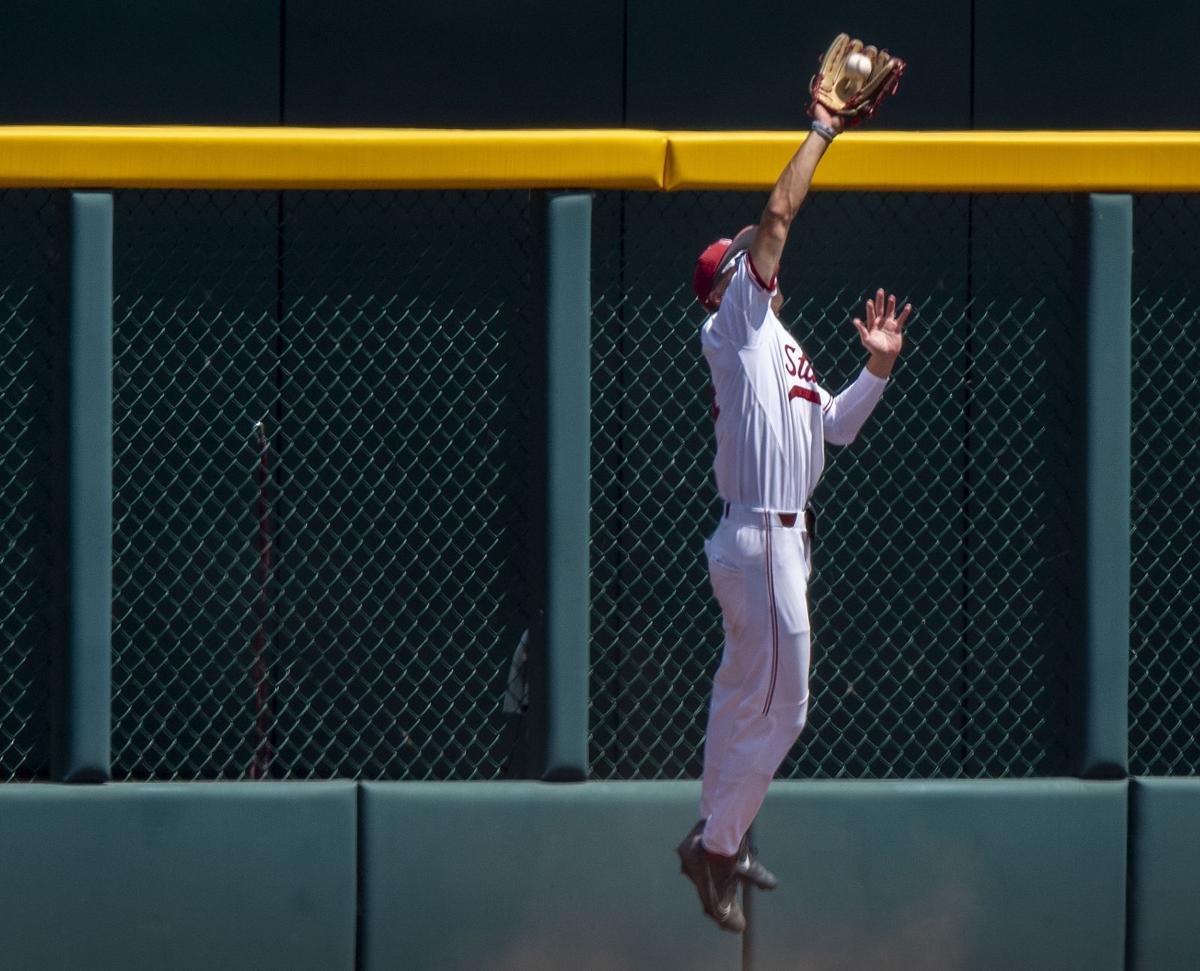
(759, 571)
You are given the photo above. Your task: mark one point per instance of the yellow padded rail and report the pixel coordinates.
(945, 161)
(317, 158)
(314, 158)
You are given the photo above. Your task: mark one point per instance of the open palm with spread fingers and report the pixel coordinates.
(882, 333)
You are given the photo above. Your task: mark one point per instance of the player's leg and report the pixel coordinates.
(773, 703)
(722, 711)
(727, 682)
(759, 744)
(716, 878)
(742, 623)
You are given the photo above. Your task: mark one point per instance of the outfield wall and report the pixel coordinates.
(1092, 872)
(962, 875)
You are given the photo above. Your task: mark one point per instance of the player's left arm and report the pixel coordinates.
(882, 335)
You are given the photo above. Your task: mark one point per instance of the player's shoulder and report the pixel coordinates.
(743, 295)
(744, 310)
(743, 279)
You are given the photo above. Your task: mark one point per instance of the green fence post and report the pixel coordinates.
(82, 595)
(567, 236)
(1104, 250)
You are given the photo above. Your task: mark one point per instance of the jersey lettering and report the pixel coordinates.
(770, 447)
(801, 369)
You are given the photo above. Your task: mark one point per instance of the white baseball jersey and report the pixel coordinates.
(772, 423)
(772, 418)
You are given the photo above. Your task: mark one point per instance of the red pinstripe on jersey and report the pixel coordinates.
(774, 617)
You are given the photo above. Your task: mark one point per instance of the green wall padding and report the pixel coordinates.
(1164, 899)
(532, 877)
(943, 875)
(178, 876)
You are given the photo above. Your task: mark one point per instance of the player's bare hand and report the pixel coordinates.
(882, 332)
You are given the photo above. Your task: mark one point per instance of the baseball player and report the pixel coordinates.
(773, 421)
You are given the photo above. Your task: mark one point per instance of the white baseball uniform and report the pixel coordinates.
(772, 423)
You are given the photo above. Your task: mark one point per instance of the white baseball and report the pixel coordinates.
(859, 64)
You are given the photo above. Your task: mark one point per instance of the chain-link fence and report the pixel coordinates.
(937, 645)
(1164, 713)
(319, 547)
(326, 485)
(26, 288)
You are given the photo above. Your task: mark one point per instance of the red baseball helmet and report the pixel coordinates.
(715, 260)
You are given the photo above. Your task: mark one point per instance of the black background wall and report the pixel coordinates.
(645, 63)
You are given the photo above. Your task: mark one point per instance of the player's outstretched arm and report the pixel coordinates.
(787, 196)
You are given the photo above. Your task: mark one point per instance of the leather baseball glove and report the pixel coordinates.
(853, 95)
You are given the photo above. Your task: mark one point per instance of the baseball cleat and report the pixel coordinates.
(715, 880)
(749, 870)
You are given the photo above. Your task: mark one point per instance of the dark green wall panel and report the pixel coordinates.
(82, 651)
(568, 257)
(140, 62)
(462, 63)
(532, 877)
(1164, 921)
(1086, 57)
(931, 875)
(714, 66)
(1102, 389)
(178, 876)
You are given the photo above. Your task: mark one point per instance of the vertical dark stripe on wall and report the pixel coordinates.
(282, 62)
(965, 646)
(971, 72)
(968, 379)
(625, 346)
(625, 319)
(1131, 887)
(361, 861)
(275, 435)
(624, 65)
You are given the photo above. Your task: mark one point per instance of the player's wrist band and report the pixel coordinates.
(824, 131)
